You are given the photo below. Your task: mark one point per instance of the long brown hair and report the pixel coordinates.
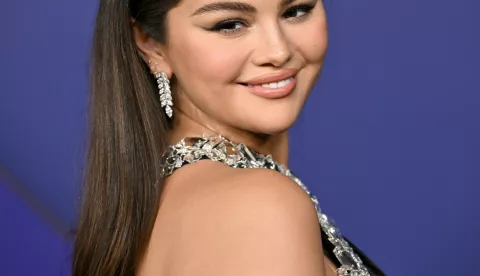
(127, 136)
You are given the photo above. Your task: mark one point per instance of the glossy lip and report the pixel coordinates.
(272, 77)
(254, 85)
(273, 93)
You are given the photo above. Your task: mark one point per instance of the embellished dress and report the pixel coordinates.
(348, 259)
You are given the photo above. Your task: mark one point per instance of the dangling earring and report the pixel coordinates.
(164, 91)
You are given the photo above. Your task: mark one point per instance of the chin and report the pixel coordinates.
(271, 125)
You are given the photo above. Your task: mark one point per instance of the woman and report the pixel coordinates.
(166, 193)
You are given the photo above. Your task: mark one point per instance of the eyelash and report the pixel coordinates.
(223, 26)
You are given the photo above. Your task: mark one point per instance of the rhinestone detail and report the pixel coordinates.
(165, 92)
(217, 148)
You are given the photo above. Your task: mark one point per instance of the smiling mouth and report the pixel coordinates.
(272, 85)
(273, 90)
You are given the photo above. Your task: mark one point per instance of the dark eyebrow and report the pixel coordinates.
(225, 6)
(286, 3)
(233, 6)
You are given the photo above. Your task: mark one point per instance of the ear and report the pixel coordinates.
(152, 52)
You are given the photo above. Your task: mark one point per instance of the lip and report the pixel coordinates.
(255, 85)
(273, 93)
(272, 77)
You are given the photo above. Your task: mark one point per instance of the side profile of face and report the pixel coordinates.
(246, 64)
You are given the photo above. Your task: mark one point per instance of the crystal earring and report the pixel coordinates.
(164, 92)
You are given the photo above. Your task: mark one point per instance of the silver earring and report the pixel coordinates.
(165, 92)
(163, 89)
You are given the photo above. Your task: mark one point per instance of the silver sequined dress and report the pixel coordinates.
(191, 150)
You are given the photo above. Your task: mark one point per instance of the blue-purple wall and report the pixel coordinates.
(389, 141)
(28, 246)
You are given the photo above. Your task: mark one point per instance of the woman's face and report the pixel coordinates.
(245, 64)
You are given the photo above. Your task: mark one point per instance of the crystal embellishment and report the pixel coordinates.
(165, 93)
(218, 148)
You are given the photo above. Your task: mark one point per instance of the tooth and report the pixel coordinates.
(265, 85)
(282, 83)
(273, 85)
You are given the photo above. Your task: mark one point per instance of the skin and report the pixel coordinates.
(208, 68)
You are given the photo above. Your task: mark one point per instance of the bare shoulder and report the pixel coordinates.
(224, 221)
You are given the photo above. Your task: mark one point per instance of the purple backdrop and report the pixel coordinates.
(389, 140)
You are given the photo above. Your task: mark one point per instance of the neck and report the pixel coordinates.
(184, 125)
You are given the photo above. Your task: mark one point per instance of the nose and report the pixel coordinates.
(274, 48)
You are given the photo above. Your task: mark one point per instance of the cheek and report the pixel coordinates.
(314, 46)
(206, 60)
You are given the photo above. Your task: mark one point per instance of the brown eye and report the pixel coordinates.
(298, 12)
(229, 26)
